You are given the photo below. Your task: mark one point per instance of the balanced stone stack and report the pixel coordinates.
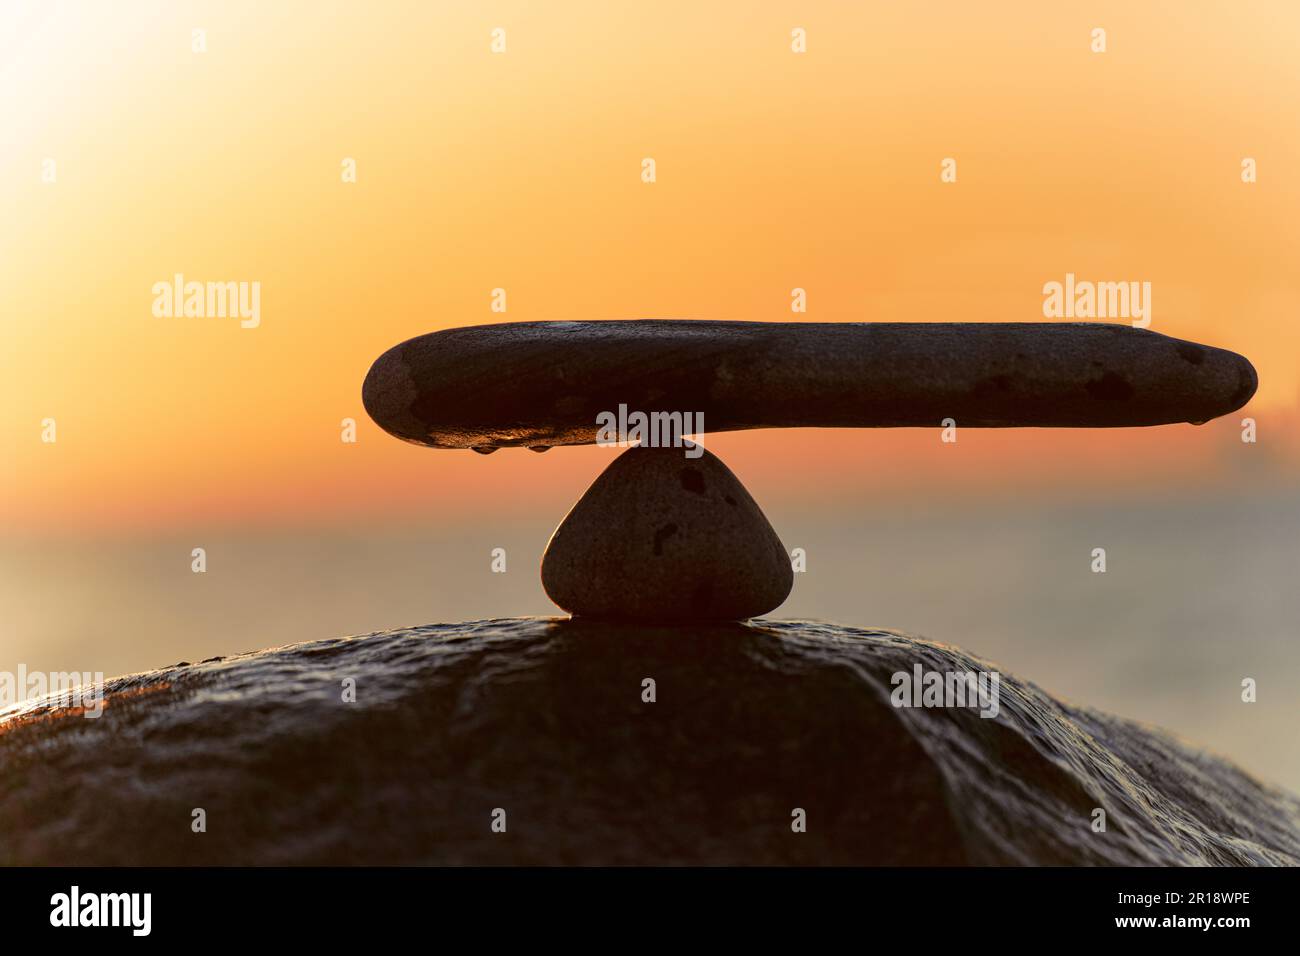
(758, 724)
(671, 533)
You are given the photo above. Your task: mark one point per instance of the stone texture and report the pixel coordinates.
(662, 536)
(540, 384)
(544, 719)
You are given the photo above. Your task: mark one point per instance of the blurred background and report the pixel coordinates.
(521, 170)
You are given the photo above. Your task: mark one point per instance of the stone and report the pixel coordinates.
(539, 384)
(659, 535)
(545, 719)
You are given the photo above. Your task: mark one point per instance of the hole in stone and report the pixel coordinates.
(662, 535)
(693, 480)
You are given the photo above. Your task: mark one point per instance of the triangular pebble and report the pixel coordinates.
(662, 536)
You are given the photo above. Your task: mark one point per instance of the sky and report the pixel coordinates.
(521, 170)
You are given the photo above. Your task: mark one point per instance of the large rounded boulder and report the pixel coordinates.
(541, 741)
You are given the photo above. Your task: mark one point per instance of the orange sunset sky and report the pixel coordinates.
(521, 170)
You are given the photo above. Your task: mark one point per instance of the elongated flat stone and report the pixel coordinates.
(544, 383)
